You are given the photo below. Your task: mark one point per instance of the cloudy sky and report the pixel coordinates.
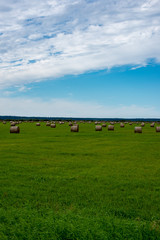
(80, 58)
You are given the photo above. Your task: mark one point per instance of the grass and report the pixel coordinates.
(55, 184)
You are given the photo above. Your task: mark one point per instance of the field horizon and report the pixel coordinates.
(8, 117)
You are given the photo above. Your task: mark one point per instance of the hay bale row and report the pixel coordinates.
(75, 128)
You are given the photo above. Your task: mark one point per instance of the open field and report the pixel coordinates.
(60, 185)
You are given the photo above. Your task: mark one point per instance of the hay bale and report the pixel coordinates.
(130, 123)
(142, 124)
(13, 123)
(75, 128)
(121, 125)
(110, 127)
(98, 128)
(61, 122)
(4, 122)
(138, 129)
(14, 129)
(53, 125)
(104, 125)
(157, 129)
(48, 124)
(70, 124)
(38, 124)
(112, 123)
(152, 124)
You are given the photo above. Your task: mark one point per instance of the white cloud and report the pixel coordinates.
(7, 93)
(53, 38)
(66, 108)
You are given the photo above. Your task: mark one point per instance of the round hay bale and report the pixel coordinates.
(112, 123)
(13, 124)
(152, 124)
(38, 124)
(53, 125)
(70, 124)
(98, 128)
(157, 129)
(75, 128)
(138, 129)
(142, 124)
(4, 122)
(61, 122)
(48, 124)
(130, 123)
(14, 129)
(110, 127)
(104, 125)
(121, 125)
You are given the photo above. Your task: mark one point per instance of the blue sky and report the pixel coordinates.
(80, 58)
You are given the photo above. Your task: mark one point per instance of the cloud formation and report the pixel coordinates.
(67, 108)
(51, 38)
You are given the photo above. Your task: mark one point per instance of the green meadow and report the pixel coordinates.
(86, 185)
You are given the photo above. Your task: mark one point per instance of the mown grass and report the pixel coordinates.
(56, 184)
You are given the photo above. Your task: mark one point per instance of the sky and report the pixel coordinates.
(80, 58)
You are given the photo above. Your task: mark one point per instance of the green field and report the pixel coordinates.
(56, 184)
